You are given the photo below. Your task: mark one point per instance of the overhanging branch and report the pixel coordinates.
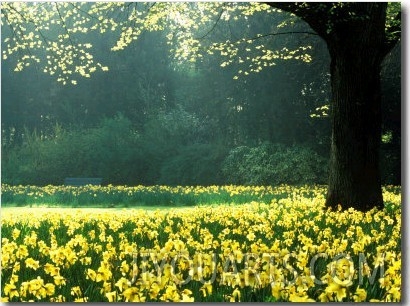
(215, 23)
(280, 33)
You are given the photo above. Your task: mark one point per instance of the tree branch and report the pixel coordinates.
(17, 36)
(275, 34)
(64, 25)
(75, 6)
(312, 13)
(215, 23)
(281, 33)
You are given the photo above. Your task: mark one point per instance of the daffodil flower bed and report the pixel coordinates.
(288, 249)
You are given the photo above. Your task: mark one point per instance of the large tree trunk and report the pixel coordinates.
(357, 50)
(354, 179)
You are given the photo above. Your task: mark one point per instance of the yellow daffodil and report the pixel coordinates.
(76, 291)
(16, 233)
(125, 268)
(154, 290)
(394, 294)
(59, 280)
(337, 291)
(22, 252)
(111, 296)
(206, 289)
(91, 274)
(50, 289)
(58, 299)
(51, 269)
(132, 294)
(106, 287)
(10, 290)
(251, 236)
(236, 296)
(81, 300)
(122, 284)
(103, 273)
(360, 295)
(187, 296)
(296, 298)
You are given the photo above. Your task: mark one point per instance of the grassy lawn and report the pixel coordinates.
(13, 209)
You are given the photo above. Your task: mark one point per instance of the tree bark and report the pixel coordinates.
(354, 179)
(356, 48)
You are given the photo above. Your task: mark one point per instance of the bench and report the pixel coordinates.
(82, 181)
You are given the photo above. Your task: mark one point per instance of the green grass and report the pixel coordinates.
(126, 196)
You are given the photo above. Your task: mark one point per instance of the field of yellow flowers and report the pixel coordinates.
(287, 249)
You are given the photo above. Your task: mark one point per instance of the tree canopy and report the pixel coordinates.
(193, 30)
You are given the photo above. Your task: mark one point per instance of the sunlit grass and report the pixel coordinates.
(114, 196)
(288, 249)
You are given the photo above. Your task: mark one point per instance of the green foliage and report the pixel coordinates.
(108, 151)
(393, 21)
(274, 164)
(173, 128)
(167, 151)
(164, 136)
(197, 164)
(111, 150)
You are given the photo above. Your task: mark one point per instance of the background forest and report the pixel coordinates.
(155, 119)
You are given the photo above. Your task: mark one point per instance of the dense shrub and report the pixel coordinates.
(115, 151)
(198, 164)
(109, 151)
(164, 137)
(273, 164)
